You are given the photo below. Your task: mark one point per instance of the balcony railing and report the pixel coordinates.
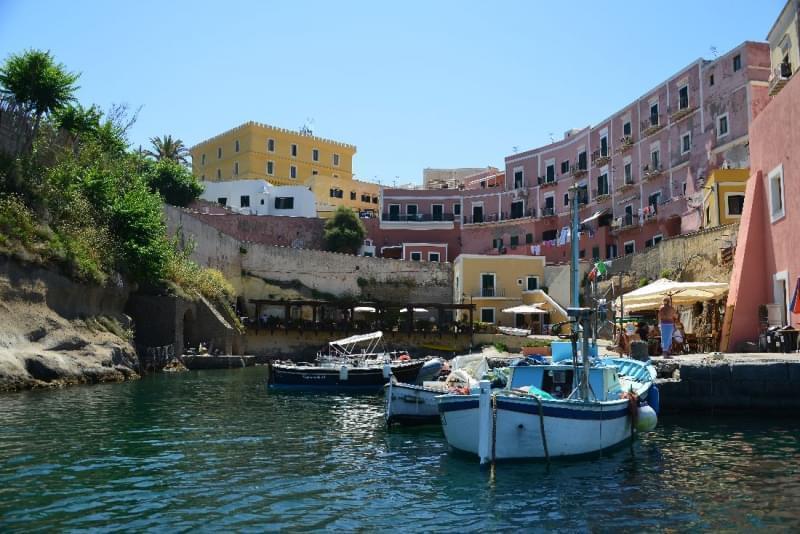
(578, 169)
(417, 217)
(499, 217)
(600, 195)
(489, 292)
(544, 181)
(600, 158)
(653, 124)
(548, 212)
(681, 112)
(650, 172)
(780, 77)
(625, 143)
(627, 181)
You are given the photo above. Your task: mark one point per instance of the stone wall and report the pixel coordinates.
(253, 267)
(677, 253)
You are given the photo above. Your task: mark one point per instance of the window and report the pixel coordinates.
(565, 167)
(583, 194)
(336, 160)
(648, 243)
(244, 201)
(737, 62)
(611, 252)
(219, 153)
(657, 239)
(416, 256)
(270, 168)
(582, 253)
(236, 168)
(270, 145)
(517, 209)
(711, 80)
(513, 241)
(222, 201)
(722, 125)
(626, 128)
(433, 256)
(604, 146)
(497, 243)
(314, 172)
(683, 97)
(352, 195)
(315, 154)
(549, 235)
(219, 174)
(602, 184)
(529, 238)
(364, 198)
(456, 209)
(655, 159)
(394, 212)
(550, 173)
(437, 212)
(566, 199)
(487, 315)
(531, 283)
(654, 199)
(335, 175)
(262, 201)
(477, 212)
(411, 210)
(550, 203)
(374, 200)
(294, 150)
(203, 159)
(776, 207)
(686, 142)
(292, 172)
(596, 253)
(654, 114)
(236, 146)
(518, 178)
(628, 173)
(284, 203)
(630, 247)
(582, 161)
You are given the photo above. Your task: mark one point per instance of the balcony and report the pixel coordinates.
(652, 125)
(651, 172)
(683, 111)
(544, 181)
(489, 292)
(625, 222)
(417, 217)
(625, 143)
(780, 77)
(578, 170)
(600, 195)
(548, 211)
(500, 217)
(627, 183)
(600, 158)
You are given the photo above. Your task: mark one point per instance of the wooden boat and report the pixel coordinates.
(352, 364)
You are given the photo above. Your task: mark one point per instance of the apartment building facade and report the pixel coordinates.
(639, 173)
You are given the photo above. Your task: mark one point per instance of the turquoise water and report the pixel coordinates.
(215, 451)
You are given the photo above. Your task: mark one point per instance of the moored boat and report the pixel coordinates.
(352, 364)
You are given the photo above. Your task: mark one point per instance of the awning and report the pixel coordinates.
(365, 309)
(650, 297)
(416, 310)
(594, 216)
(358, 339)
(526, 309)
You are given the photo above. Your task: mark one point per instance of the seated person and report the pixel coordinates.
(643, 330)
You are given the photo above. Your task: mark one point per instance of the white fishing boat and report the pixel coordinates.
(552, 410)
(416, 404)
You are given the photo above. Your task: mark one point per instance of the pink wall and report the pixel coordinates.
(425, 249)
(764, 247)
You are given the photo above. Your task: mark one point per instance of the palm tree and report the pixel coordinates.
(77, 121)
(37, 85)
(167, 148)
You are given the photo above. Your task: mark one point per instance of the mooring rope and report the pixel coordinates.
(541, 428)
(494, 428)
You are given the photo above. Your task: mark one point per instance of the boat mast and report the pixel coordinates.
(582, 315)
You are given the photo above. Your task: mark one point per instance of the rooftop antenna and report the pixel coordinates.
(515, 148)
(552, 137)
(395, 181)
(713, 51)
(306, 128)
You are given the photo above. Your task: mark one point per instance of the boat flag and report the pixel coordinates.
(795, 306)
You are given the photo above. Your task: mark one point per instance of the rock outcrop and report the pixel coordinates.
(55, 331)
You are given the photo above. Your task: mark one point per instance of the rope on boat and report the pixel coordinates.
(541, 428)
(494, 429)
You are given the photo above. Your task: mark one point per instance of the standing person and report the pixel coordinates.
(666, 314)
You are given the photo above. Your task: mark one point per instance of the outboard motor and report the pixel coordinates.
(429, 371)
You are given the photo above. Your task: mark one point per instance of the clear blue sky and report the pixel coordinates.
(412, 84)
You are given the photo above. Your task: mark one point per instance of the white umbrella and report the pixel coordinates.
(365, 309)
(416, 310)
(526, 309)
(650, 297)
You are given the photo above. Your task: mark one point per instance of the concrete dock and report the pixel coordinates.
(706, 383)
(223, 361)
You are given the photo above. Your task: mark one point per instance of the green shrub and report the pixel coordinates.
(643, 282)
(501, 347)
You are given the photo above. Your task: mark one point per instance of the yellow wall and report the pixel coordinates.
(326, 204)
(508, 270)
(784, 39)
(253, 157)
(720, 184)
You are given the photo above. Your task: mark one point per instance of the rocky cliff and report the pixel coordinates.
(55, 331)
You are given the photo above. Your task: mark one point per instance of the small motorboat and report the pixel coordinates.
(352, 364)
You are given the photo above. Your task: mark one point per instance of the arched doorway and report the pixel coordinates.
(190, 334)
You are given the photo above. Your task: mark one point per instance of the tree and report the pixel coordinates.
(174, 182)
(344, 232)
(167, 148)
(37, 85)
(78, 122)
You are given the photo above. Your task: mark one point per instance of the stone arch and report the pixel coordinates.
(190, 330)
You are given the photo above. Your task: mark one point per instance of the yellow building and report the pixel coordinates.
(784, 40)
(723, 196)
(494, 283)
(285, 157)
(333, 192)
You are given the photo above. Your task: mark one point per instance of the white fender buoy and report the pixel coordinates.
(485, 422)
(647, 419)
(343, 372)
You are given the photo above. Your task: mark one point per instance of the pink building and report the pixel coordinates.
(639, 172)
(766, 266)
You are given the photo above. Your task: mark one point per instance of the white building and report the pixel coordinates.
(258, 197)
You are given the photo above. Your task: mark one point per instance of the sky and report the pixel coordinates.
(412, 84)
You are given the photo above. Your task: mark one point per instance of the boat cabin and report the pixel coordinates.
(558, 380)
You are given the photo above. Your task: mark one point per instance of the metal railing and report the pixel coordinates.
(417, 217)
(489, 292)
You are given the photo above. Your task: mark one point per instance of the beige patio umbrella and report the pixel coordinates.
(650, 297)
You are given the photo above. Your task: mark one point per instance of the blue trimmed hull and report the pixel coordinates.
(328, 379)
